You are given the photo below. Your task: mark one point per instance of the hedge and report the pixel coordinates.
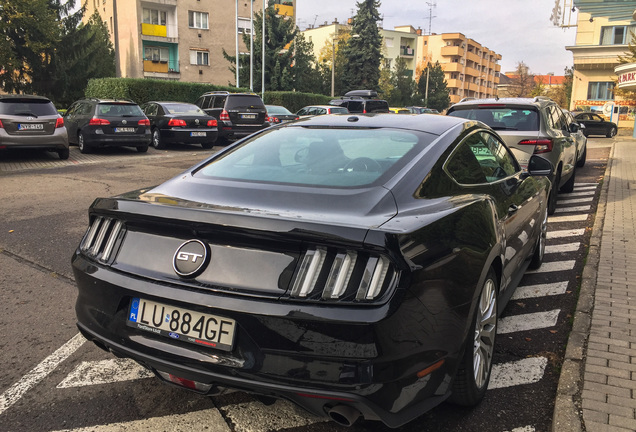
(142, 90)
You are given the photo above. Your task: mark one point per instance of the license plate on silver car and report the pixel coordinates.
(182, 324)
(124, 129)
(30, 126)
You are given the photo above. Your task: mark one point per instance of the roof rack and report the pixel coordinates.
(467, 99)
(361, 94)
(542, 98)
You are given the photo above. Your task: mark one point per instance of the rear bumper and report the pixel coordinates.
(185, 135)
(231, 131)
(57, 141)
(114, 140)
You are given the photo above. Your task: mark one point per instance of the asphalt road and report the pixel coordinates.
(53, 381)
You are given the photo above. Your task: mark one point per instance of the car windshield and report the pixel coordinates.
(27, 107)
(502, 117)
(182, 108)
(339, 110)
(318, 156)
(119, 110)
(243, 102)
(275, 109)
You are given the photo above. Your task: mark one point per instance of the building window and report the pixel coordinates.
(201, 58)
(154, 16)
(156, 54)
(198, 20)
(388, 42)
(617, 35)
(600, 91)
(244, 25)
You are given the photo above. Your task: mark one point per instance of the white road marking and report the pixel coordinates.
(585, 184)
(104, 372)
(577, 194)
(567, 209)
(581, 188)
(540, 290)
(573, 218)
(209, 419)
(576, 200)
(525, 371)
(38, 373)
(554, 266)
(568, 247)
(524, 429)
(532, 321)
(565, 233)
(256, 417)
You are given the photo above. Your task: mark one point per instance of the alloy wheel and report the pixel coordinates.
(485, 329)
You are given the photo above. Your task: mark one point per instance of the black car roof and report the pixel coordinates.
(432, 124)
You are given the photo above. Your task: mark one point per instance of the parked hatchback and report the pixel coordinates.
(93, 123)
(239, 114)
(32, 122)
(180, 122)
(530, 126)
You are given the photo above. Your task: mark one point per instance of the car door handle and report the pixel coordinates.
(512, 209)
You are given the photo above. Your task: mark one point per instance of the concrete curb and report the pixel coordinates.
(567, 407)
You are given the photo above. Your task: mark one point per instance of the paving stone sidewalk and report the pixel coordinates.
(597, 389)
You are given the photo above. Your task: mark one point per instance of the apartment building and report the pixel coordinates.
(179, 40)
(471, 69)
(603, 33)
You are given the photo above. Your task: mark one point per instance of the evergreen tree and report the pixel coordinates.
(306, 75)
(403, 85)
(280, 33)
(363, 50)
(438, 95)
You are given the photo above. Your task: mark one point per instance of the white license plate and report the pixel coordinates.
(248, 116)
(197, 134)
(182, 324)
(127, 129)
(30, 126)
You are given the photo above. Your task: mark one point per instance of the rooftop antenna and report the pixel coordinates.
(314, 24)
(431, 5)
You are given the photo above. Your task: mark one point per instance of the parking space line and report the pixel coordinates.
(573, 209)
(525, 371)
(561, 248)
(572, 218)
(565, 233)
(104, 372)
(531, 321)
(547, 267)
(38, 373)
(540, 290)
(576, 200)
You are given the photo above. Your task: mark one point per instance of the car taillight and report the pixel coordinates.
(59, 123)
(176, 122)
(1, 125)
(96, 121)
(364, 111)
(224, 116)
(146, 122)
(540, 145)
(272, 119)
(212, 123)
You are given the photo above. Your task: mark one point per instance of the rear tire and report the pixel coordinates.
(581, 162)
(568, 186)
(207, 145)
(611, 133)
(539, 249)
(473, 374)
(63, 154)
(156, 140)
(82, 145)
(554, 194)
(142, 149)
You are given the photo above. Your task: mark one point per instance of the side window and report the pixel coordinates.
(463, 165)
(303, 111)
(219, 102)
(151, 109)
(506, 164)
(71, 110)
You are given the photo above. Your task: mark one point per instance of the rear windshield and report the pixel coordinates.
(27, 107)
(377, 106)
(338, 110)
(318, 156)
(119, 110)
(182, 108)
(502, 118)
(244, 102)
(275, 109)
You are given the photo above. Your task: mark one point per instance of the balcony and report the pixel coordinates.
(154, 30)
(452, 51)
(409, 52)
(162, 69)
(452, 67)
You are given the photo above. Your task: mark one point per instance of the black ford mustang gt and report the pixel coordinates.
(353, 264)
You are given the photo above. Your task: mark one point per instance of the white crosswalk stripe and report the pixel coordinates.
(560, 248)
(577, 194)
(531, 321)
(570, 209)
(559, 266)
(573, 218)
(575, 200)
(525, 371)
(541, 290)
(565, 233)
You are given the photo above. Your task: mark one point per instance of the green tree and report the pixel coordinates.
(363, 50)
(306, 74)
(279, 35)
(403, 85)
(438, 93)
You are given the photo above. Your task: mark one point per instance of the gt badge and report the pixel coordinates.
(191, 258)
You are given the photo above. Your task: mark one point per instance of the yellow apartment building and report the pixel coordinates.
(179, 40)
(471, 69)
(599, 42)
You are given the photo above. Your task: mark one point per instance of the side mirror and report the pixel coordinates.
(538, 166)
(574, 128)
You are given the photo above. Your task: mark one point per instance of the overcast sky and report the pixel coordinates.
(519, 30)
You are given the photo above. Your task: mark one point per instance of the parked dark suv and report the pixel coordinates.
(530, 126)
(362, 101)
(238, 114)
(95, 123)
(31, 122)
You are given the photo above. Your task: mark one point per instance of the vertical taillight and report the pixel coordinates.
(224, 116)
(1, 125)
(309, 271)
(58, 123)
(339, 275)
